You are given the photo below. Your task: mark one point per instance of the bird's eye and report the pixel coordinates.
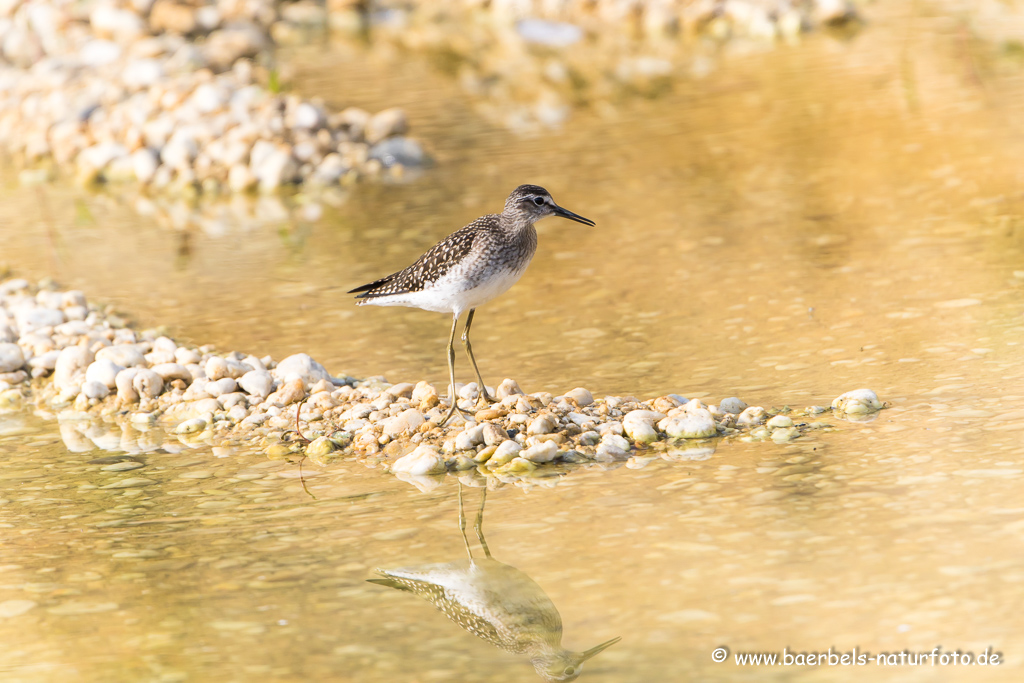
(539, 201)
(569, 671)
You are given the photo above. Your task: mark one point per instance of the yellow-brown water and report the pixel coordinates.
(797, 224)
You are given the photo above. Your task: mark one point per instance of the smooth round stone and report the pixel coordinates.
(639, 425)
(469, 438)
(103, 371)
(732, 405)
(225, 385)
(779, 422)
(257, 383)
(508, 387)
(582, 396)
(857, 402)
(147, 383)
(545, 451)
(425, 459)
(696, 424)
(69, 370)
(493, 434)
(751, 416)
(93, 389)
(407, 421)
(187, 356)
(171, 371)
(11, 357)
(196, 424)
(302, 366)
(543, 424)
(320, 446)
(613, 444)
(125, 385)
(32, 319)
(504, 453)
(125, 355)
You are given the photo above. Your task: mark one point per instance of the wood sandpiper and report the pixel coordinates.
(469, 268)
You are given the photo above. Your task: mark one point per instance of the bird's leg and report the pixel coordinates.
(462, 523)
(484, 396)
(451, 376)
(480, 523)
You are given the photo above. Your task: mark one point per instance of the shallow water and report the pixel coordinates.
(797, 224)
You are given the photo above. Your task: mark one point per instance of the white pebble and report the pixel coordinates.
(732, 405)
(857, 402)
(545, 451)
(425, 459)
(257, 383)
(147, 383)
(11, 357)
(103, 371)
(542, 424)
(93, 389)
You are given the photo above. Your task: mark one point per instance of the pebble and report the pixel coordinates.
(424, 459)
(697, 424)
(154, 108)
(93, 389)
(11, 357)
(543, 424)
(103, 371)
(288, 393)
(257, 383)
(147, 384)
(732, 405)
(406, 422)
(779, 421)
(470, 438)
(125, 355)
(582, 396)
(320, 447)
(639, 425)
(546, 451)
(857, 402)
(300, 366)
(222, 396)
(69, 370)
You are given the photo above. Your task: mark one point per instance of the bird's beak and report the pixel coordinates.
(598, 649)
(565, 213)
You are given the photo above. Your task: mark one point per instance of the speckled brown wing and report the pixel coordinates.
(454, 610)
(429, 267)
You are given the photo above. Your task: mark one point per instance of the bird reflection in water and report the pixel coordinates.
(495, 602)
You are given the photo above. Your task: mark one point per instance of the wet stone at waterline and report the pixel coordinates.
(114, 388)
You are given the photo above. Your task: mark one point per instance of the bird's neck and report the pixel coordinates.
(517, 223)
(521, 230)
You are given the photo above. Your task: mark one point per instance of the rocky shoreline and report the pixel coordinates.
(177, 97)
(112, 387)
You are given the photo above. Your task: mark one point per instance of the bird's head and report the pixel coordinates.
(565, 665)
(536, 203)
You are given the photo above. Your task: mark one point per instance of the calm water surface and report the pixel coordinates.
(797, 224)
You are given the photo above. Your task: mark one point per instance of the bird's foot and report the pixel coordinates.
(485, 400)
(451, 413)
